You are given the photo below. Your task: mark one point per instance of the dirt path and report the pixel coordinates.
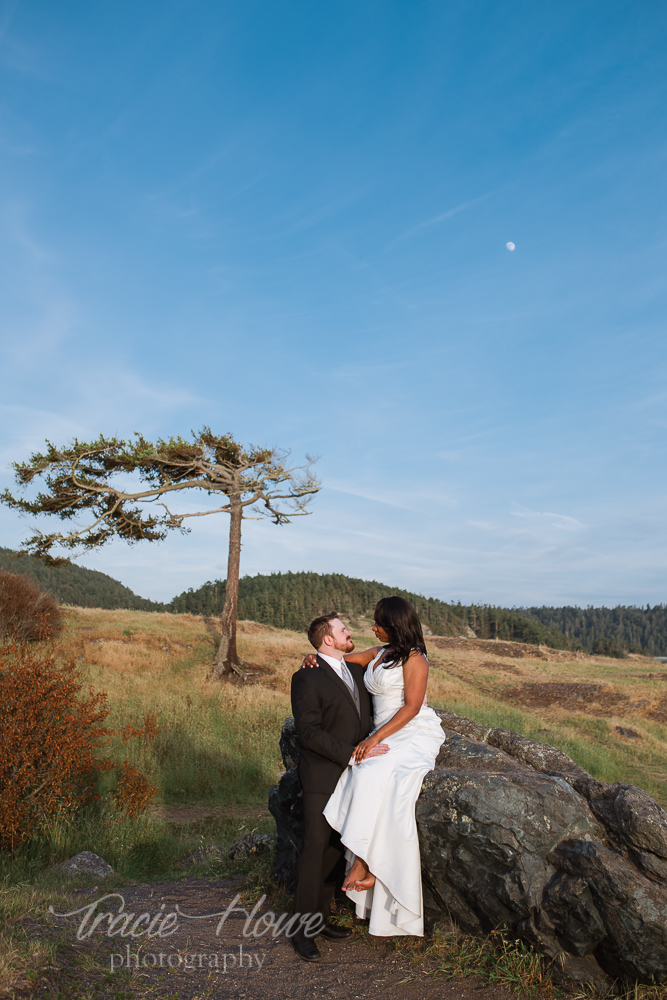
(183, 815)
(196, 963)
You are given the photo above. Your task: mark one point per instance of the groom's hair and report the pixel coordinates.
(320, 627)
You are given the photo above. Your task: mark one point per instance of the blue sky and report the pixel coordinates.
(289, 221)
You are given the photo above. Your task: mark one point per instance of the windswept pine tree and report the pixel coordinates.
(112, 489)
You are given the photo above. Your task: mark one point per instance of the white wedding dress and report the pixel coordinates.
(373, 808)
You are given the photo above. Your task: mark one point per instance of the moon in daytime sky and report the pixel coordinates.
(511, 246)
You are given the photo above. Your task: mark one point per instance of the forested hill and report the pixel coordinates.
(87, 588)
(292, 600)
(609, 630)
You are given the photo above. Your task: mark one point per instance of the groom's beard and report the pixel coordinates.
(345, 647)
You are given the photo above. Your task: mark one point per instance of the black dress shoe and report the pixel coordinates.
(335, 933)
(306, 948)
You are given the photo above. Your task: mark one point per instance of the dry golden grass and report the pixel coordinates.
(609, 715)
(161, 662)
(217, 753)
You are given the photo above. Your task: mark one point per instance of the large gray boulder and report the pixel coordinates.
(286, 807)
(514, 834)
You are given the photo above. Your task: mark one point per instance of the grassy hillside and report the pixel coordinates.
(86, 588)
(219, 740)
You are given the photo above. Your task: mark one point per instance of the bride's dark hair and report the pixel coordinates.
(399, 620)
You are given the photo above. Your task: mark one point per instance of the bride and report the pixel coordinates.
(373, 805)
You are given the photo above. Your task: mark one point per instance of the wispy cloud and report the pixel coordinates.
(309, 216)
(40, 314)
(54, 323)
(17, 230)
(390, 499)
(25, 429)
(403, 499)
(15, 54)
(561, 521)
(437, 220)
(539, 530)
(115, 401)
(7, 9)
(376, 371)
(124, 393)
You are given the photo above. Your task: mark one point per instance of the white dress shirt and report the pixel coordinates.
(341, 668)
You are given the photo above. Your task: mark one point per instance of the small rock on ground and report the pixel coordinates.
(85, 863)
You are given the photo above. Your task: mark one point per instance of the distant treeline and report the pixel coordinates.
(292, 600)
(610, 631)
(86, 588)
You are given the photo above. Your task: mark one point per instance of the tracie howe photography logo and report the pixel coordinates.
(132, 931)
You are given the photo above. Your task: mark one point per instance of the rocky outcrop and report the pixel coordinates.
(85, 863)
(286, 807)
(513, 833)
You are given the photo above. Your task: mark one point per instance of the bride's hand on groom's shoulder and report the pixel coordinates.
(310, 660)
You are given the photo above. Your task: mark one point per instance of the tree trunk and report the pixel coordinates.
(226, 660)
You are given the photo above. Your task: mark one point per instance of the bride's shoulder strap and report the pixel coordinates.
(380, 657)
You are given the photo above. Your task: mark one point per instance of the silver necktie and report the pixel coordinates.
(347, 676)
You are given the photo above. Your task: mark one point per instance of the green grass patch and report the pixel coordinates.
(591, 742)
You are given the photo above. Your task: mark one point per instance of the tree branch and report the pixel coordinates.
(79, 479)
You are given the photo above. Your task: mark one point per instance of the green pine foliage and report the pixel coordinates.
(71, 584)
(292, 600)
(610, 631)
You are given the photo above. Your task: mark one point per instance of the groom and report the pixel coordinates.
(332, 714)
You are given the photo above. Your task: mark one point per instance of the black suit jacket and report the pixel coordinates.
(327, 723)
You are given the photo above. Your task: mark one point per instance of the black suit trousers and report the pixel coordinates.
(322, 852)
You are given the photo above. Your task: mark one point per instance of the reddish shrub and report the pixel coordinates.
(134, 792)
(53, 744)
(26, 613)
(147, 728)
(48, 739)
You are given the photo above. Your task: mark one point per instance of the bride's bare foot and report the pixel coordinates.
(365, 883)
(359, 870)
